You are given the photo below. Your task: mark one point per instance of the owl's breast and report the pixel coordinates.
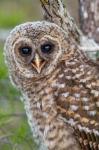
(77, 100)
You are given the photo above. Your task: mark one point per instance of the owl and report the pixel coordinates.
(60, 86)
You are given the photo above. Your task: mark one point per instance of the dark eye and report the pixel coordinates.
(25, 51)
(47, 48)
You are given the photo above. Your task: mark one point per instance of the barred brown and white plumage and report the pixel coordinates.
(59, 84)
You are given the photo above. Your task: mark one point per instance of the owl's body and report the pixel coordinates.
(59, 84)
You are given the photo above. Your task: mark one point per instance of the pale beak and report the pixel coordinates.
(38, 63)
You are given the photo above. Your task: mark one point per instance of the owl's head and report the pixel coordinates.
(33, 50)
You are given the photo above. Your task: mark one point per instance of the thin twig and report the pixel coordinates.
(89, 49)
(5, 136)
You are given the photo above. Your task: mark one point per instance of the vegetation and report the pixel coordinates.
(15, 132)
(17, 12)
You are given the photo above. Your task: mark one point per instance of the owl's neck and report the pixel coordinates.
(40, 105)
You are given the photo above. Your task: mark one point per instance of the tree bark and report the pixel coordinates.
(89, 18)
(55, 11)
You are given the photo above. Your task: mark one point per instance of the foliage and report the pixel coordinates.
(17, 12)
(15, 133)
(10, 20)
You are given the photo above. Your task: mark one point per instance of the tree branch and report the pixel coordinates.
(55, 11)
(89, 18)
(89, 49)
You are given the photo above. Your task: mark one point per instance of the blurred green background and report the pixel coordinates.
(15, 133)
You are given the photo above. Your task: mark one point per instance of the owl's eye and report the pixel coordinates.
(25, 51)
(47, 48)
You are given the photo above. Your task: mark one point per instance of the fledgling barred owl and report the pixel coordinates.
(59, 84)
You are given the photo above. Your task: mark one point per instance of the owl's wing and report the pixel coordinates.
(78, 100)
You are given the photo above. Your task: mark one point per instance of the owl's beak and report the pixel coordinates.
(38, 63)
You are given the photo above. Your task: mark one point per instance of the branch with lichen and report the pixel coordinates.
(55, 11)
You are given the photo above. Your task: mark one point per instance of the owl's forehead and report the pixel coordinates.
(35, 29)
